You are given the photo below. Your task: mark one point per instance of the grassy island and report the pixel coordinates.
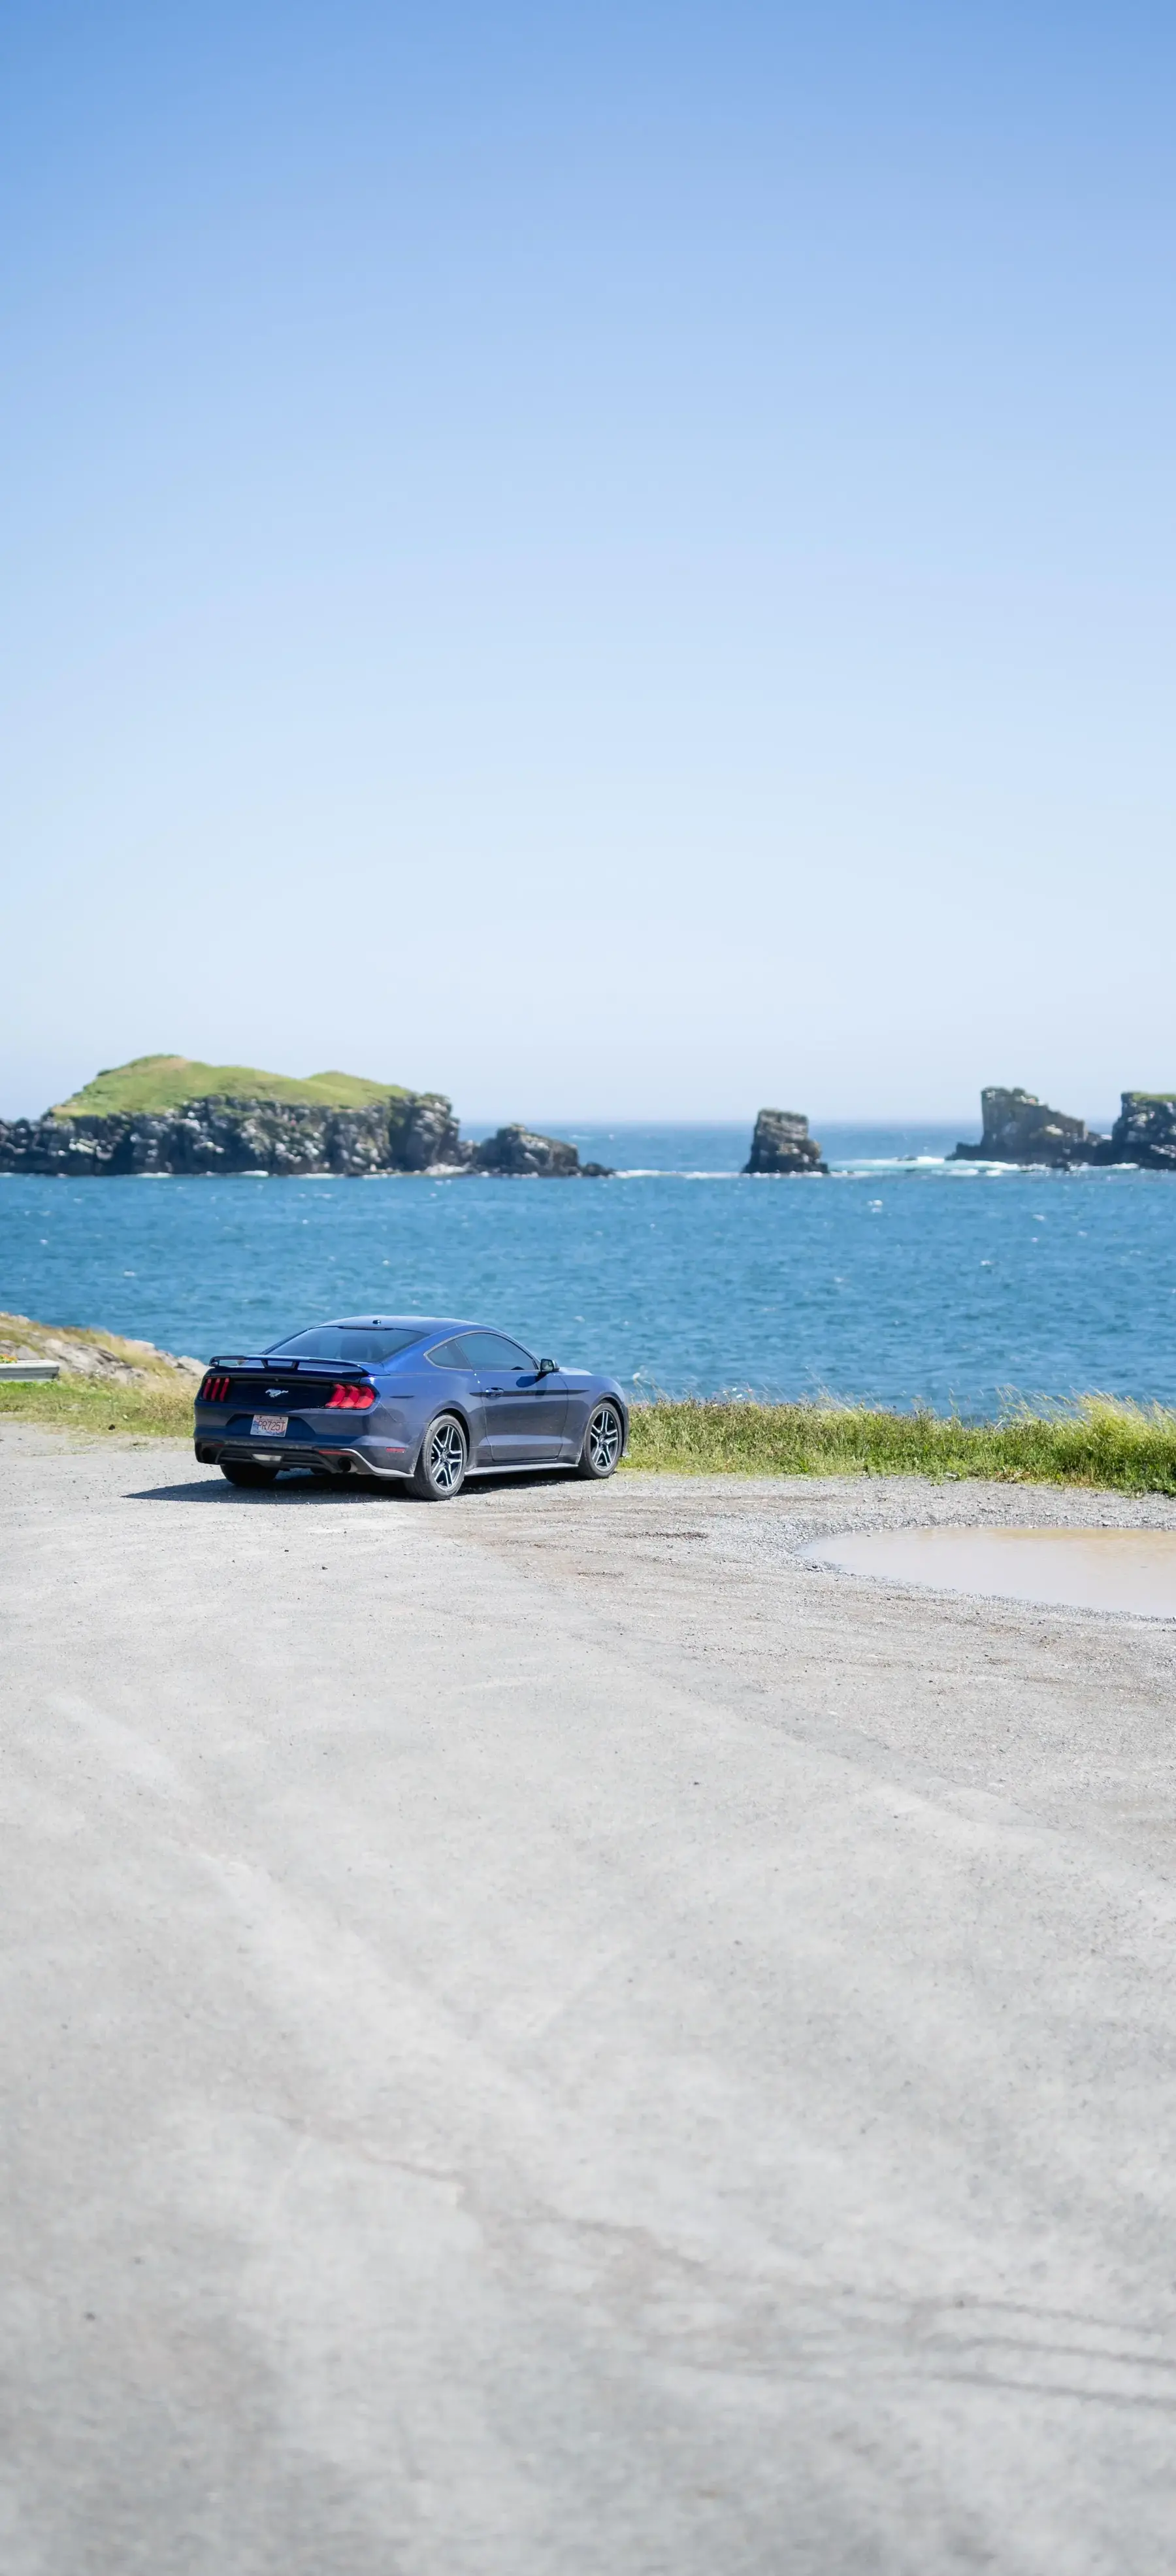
(152, 1084)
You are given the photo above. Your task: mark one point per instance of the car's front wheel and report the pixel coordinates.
(439, 1473)
(604, 1440)
(246, 1471)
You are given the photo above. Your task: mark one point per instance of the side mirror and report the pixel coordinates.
(547, 1368)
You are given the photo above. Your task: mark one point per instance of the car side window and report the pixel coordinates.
(493, 1351)
(449, 1355)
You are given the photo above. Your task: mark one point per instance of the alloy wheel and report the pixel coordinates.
(446, 1456)
(604, 1440)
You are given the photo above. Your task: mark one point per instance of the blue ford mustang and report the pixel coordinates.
(413, 1396)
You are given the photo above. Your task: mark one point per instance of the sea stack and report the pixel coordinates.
(782, 1145)
(1019, 1128)
(518, 1152)
(1144, 1132)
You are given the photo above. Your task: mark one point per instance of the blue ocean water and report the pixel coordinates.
(901, 1279)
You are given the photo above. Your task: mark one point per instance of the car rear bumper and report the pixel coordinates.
(377, 1458)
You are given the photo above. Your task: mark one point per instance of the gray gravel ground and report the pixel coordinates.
(547, 2035)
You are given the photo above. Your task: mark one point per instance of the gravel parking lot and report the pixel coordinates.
(551, 2034)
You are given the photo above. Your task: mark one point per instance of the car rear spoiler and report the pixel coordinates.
(271, 1363)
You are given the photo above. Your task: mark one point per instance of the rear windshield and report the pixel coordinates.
(365, 1343)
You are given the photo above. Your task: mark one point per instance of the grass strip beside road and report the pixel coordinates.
(1095, 1441)
(1123, 1448)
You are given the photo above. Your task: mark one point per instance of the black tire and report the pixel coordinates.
(440, 1469)
(604, 1440)
(248, 1471)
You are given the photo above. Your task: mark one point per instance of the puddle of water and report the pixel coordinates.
(1078, 1569)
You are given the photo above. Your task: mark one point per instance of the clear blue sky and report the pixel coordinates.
(609, 559)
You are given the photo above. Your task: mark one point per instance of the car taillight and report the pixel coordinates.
(350, 1399)
(214, 1391)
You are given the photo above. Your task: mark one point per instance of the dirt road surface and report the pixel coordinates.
(546, 2036)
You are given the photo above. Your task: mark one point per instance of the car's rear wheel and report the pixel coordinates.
(604, 1440)
(439, 1473)
(247, 1471)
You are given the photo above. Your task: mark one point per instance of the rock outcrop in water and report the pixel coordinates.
(1019, 1128)
(392, 1131)
(782, 1145)
(1144, 1132)
(517, 1152)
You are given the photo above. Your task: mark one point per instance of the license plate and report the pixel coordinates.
(269, 1426)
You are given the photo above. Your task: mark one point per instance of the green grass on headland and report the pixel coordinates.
(152, 1083)
(158, 1411)
(1094, 1441)
(1120, 1447)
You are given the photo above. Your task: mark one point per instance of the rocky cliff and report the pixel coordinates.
(782, 1145)
(1019, 1128)
(393, 1131)
(105, 1358)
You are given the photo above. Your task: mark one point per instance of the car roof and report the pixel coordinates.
(395, 1323)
